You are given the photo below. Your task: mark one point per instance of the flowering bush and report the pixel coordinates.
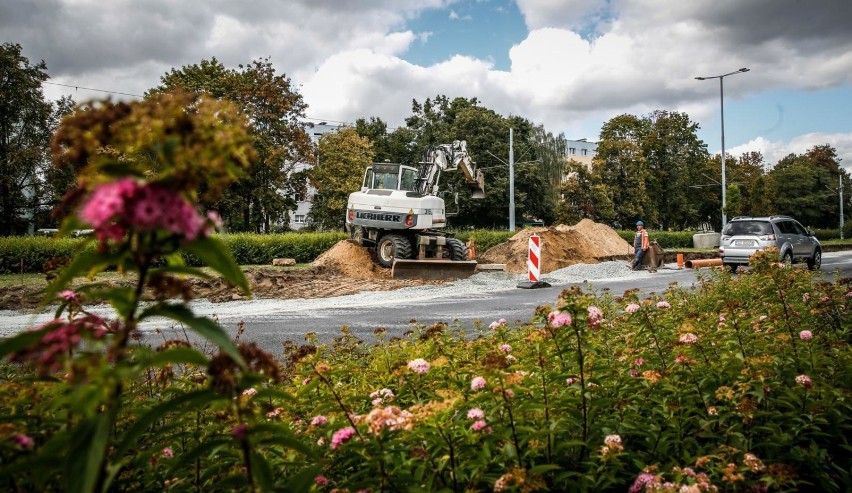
(708, 389)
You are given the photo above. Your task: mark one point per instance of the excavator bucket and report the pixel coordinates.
(432, 269)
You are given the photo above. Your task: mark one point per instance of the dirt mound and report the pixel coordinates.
(586, 242)
(352, 260)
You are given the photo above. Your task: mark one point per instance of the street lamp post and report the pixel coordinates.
(722, 106)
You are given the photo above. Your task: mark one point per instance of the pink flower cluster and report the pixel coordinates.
(663, 305)
(497, 324)
(23, 441)
(63, 336)
(632, 308)
(240, 431)
(478, 425)
(319, 420)
(168, 453)
(478, 383)
(380, 396)
(805, 381)
(476, 413)
(419, 366)
(595, 316)
(559, 319)
(321, 480)
(115, 207)
(505, 348)
(806, 335)
(688, 338)
(341, 436)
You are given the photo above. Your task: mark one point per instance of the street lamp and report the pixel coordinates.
(722, 106)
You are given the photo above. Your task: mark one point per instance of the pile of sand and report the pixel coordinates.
(587, 242)
(351, 259)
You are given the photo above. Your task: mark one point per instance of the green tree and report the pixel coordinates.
(621, 170)
(27, 123)
(263, 197)
(803, 186)
(343, 156)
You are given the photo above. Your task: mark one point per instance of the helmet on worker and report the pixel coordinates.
(640, 223)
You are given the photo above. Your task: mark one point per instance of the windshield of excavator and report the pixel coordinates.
(408, 179)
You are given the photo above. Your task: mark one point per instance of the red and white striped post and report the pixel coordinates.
(534, 258)
(534, 265)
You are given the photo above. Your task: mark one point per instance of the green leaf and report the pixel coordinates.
(181, 269)
(218, 257)
(202, 449)
(261, 471)
(203, 326)
(85, 454)
(543, 468)
(179, 405)
(269, 433)
(303, 480)
(9, 345)
(178, 355)
(86, 262)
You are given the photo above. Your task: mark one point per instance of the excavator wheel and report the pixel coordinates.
(457, 248)
(392, 246)
(356, 233)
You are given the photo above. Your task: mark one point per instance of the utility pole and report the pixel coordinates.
(841, 206)
(511, 183)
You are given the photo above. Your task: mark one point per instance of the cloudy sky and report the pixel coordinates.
(567, 64)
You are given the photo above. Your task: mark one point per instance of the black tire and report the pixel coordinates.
(815, 262)
(356, 234)
(458, 250)
(733, 267)
(391, 247)
(787, 259)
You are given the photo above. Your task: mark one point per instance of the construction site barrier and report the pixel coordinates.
(534, 265)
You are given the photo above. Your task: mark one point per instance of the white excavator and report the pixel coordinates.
(400, 212)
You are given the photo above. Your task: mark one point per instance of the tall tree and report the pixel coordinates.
(804, 185)
(620, 166)
(27, 123)
(343, 157)
(275, 111)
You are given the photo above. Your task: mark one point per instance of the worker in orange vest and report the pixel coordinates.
(641, 243)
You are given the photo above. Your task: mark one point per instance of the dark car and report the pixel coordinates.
(743, 236)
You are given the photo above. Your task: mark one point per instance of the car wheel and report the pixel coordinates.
(733, 267)
(815, 262)
(787, 259)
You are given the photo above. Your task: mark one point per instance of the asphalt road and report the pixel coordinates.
(483, 298)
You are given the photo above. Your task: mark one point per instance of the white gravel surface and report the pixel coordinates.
(480, 283)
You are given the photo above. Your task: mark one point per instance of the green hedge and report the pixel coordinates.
(666, 239)
(247, 249)
(485, 238)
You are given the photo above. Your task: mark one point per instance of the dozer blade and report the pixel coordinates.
(432, 269)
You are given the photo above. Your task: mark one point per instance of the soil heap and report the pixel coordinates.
(587, 242)
(352, 260)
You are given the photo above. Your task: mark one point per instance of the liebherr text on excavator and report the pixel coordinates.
(399, 211)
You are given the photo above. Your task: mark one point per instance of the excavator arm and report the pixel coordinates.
(449, 157)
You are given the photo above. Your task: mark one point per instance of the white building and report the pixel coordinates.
(581, 151)
(298, 218)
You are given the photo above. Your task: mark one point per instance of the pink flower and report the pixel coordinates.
(23, 441)
(806, 297)
(476, 413)
(642, 480)
(240, 431)
(478, 383)
(505, 348)
(688, 338)
(497, 324)
(806, 335)
(634, 372)
(167, 453)
(805, 381)
(419, 366)
(341, 436)
(108, 201)
(571, 380)
(478, 425)
(612, 439)
(663, 304)
(632, 308)
(321, 480)
(319, 420)
(250, 392)
(559, 319)
(595, 316)
(639, 362)
(60, 339)
(683, 359)
(69, 296)
(380, 396)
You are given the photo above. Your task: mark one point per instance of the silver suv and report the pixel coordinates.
(743, 236)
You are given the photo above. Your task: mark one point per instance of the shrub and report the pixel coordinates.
(666, 239)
